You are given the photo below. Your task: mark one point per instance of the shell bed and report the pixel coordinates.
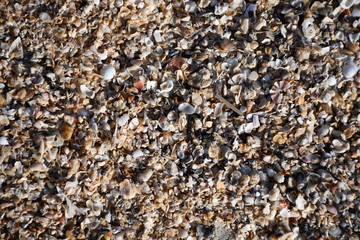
(179, 119)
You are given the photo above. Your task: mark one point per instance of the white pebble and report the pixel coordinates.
(279, 178)
(350, 69)
(45, 17)
(108, 72)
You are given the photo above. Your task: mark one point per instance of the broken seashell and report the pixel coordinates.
(308, 28)
(137, 154)
(146, 175)
(139, 85)
(187, 108)
(157, 36)
(123, 120)
(339, 146)
(127, 190)
(134, 123)
(85, 90)
(300, 202)
(277, 90)
(177, 61)
(108, 72)
(15, 49)
(167, 86)
(346, 4)
(274, 194)
(350, 69)
(66, 131)
(3, 141)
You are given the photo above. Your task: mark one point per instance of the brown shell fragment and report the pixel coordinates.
(177, 61)
(66, 131)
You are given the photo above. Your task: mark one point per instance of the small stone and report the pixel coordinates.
(182, 233)
(127, 190)
(332, 209)
(279, 178)
(45, 17)
(108, 72)
(4, 120)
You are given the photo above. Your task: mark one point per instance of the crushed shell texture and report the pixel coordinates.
(124, 119)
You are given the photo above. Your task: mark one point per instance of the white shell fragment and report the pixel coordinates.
(138, 153)
(146, 175)
(123, 120)
(187, 108)
(3, 141)
(127, 191)
(185, 119)
(350, 69)
(308, 28)
(167, 86)
(85, 90)
(300, 202)
(108, 72)
(346, 4)
(157, 36)
(45, 17)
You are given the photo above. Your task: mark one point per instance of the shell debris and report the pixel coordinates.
(206, 119)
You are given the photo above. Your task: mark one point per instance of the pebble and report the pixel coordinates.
(107, 72)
